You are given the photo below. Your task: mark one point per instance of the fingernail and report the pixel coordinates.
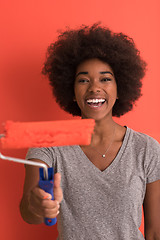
(57, 203)
(57, 212)
(47, 197)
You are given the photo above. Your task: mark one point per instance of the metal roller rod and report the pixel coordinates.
(37, 164)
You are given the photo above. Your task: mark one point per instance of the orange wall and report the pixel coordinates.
(27, 28)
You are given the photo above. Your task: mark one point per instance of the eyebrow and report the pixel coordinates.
(81, 73)
(85, 73)
(106, 72)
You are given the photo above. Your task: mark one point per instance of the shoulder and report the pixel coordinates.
(143, 141)
(49, 151)
(147, 152)
(50, 154)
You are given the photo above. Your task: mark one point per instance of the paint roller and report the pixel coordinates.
(19, 135)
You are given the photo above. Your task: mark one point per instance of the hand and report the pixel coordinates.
(40, 203)
(57, 190)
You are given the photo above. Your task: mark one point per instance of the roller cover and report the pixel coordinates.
(47, 134)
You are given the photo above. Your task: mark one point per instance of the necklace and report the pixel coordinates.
(104, 154)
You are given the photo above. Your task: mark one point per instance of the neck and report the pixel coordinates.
(103, 132)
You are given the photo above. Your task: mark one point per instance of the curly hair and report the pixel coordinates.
(74, 46)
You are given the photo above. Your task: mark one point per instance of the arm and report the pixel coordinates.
(36, 204)
(152, 211)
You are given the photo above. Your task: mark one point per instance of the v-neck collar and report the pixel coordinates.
(113, 163)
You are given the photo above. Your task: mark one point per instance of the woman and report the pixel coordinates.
(99, 189)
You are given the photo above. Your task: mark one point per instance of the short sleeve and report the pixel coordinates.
(153, 161)
(43, 154)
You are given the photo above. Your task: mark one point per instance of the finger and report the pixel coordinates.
(40, 193)
(42, 202)
(50, 204)
(57, 180)
(51, 213)
(44, 208)
(44, 213)
(58, 194)
(38, 201)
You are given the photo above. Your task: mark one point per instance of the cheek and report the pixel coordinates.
(112, 90)
(79, 98)
(112, 94)
(78, 93)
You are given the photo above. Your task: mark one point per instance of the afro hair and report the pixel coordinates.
(75, 46)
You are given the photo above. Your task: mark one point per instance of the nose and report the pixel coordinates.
(94, 87)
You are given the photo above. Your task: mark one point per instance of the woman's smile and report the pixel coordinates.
(95, 88)
(95, 102)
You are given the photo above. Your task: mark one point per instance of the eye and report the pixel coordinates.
(106, 79)
(82, 80)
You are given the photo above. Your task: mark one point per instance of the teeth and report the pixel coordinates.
(95, 100)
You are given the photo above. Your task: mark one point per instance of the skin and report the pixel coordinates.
(94, 80)
(151, 208)
(36, 204)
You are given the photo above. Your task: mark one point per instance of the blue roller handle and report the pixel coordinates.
(47, 186)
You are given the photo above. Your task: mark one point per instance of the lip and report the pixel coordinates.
(94, 97)
(95, 106)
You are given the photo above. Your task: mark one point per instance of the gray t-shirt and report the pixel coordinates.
(103, 205)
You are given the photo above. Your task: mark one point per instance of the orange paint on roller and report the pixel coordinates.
(47, 134)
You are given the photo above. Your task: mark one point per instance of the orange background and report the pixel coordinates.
(27, 28)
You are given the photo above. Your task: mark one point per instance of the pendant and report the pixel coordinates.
(103, 155)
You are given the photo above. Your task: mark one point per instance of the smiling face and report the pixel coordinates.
(95, 89)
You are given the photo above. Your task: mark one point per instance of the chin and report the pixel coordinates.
(97, 117)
